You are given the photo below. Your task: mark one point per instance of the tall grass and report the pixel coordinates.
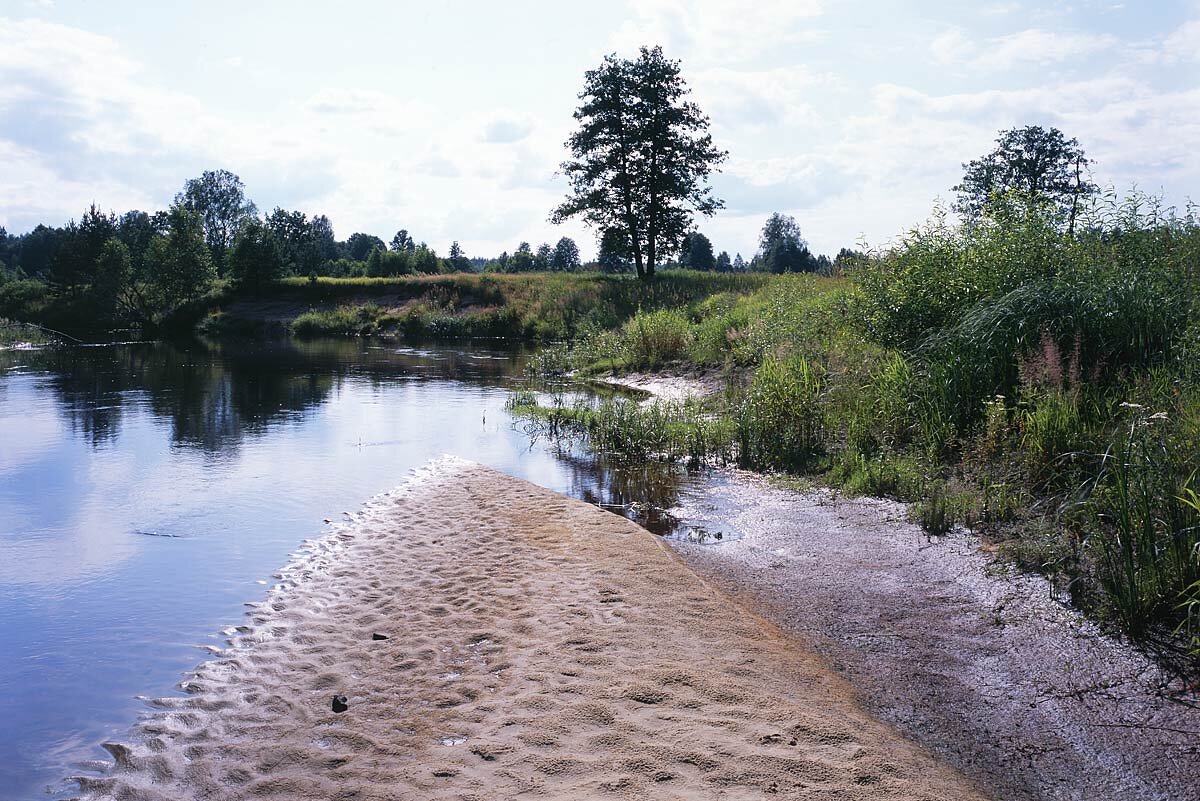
(1148, 527)
(624, 429)
(780, 422)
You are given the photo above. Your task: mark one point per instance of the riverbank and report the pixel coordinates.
(982, 665)
(492, 638)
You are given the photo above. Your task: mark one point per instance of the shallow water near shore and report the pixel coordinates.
(148, 491)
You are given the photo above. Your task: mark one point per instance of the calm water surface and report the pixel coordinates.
(148, 491)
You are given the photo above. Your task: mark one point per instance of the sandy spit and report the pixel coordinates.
(537, 647)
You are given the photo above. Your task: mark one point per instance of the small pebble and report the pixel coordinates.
(339, 703)
(379, 636)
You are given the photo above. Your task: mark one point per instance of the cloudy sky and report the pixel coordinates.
(448, 118)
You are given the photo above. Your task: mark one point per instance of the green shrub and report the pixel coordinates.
(780, 422)
(353, 320)
(1052, 434)
(23, 300)
(882, 475)
(654, 338)
(935, 515)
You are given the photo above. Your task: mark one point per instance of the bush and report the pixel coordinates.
(23, 300)
(654, 338)
(354, 320)
(780, 422)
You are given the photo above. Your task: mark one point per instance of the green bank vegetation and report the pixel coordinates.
(1005, 373)
(17, 334)
(530, 307)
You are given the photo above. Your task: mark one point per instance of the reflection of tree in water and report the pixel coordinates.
(216, 395)
(89, 390)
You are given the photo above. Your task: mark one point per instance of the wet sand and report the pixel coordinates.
(536, 646)
(694, 383)
(984, 668)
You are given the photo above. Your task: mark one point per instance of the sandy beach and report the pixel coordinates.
(536, 646)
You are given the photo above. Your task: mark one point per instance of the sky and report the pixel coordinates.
(448, 119)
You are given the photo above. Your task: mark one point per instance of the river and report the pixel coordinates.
(148, 491)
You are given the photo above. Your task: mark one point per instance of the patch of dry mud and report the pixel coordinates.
(990, 672)
(537, 646)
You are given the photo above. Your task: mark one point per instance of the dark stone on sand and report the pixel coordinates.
(379, 636)
(339, 703)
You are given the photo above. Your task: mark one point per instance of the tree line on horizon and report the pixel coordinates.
(638, 176)
(138, 266)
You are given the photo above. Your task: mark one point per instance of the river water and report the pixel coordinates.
(148, 491)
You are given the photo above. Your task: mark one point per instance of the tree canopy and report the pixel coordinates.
(1033, 161)
(642, 155)
(219, 198)
(565, 257)
(256, 258)
(696, 252)
(781, 247)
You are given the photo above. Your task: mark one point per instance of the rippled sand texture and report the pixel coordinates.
(537, 646)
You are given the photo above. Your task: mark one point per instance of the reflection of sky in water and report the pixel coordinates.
(229, 459)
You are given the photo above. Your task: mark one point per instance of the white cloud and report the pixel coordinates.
(1183, 44)
(506, 130)
(773, 97)
(851, 131)
(952, 47)
(1033, 46)
(718, 30)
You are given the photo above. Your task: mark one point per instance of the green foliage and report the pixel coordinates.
(179, 263)
(17, 333)
(1040, 163)
(354, 320)
(696, 252)
(654, 338)
(780, 422)
(1147, 523)
(218, 200)
(539, 307)
(23, 300)
(978, 371)
(1052, 435)
(625, 429)
(782, 249)
(882, 475)
(113, 274)
(256, 259)
(648, 186)
(934, 514)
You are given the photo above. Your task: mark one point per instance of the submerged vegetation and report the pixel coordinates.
(1003, 373)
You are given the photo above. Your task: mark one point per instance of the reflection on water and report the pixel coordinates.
(147, 491)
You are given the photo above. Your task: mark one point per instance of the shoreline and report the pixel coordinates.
(666, 386)
(983, 667)
(530, 644)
